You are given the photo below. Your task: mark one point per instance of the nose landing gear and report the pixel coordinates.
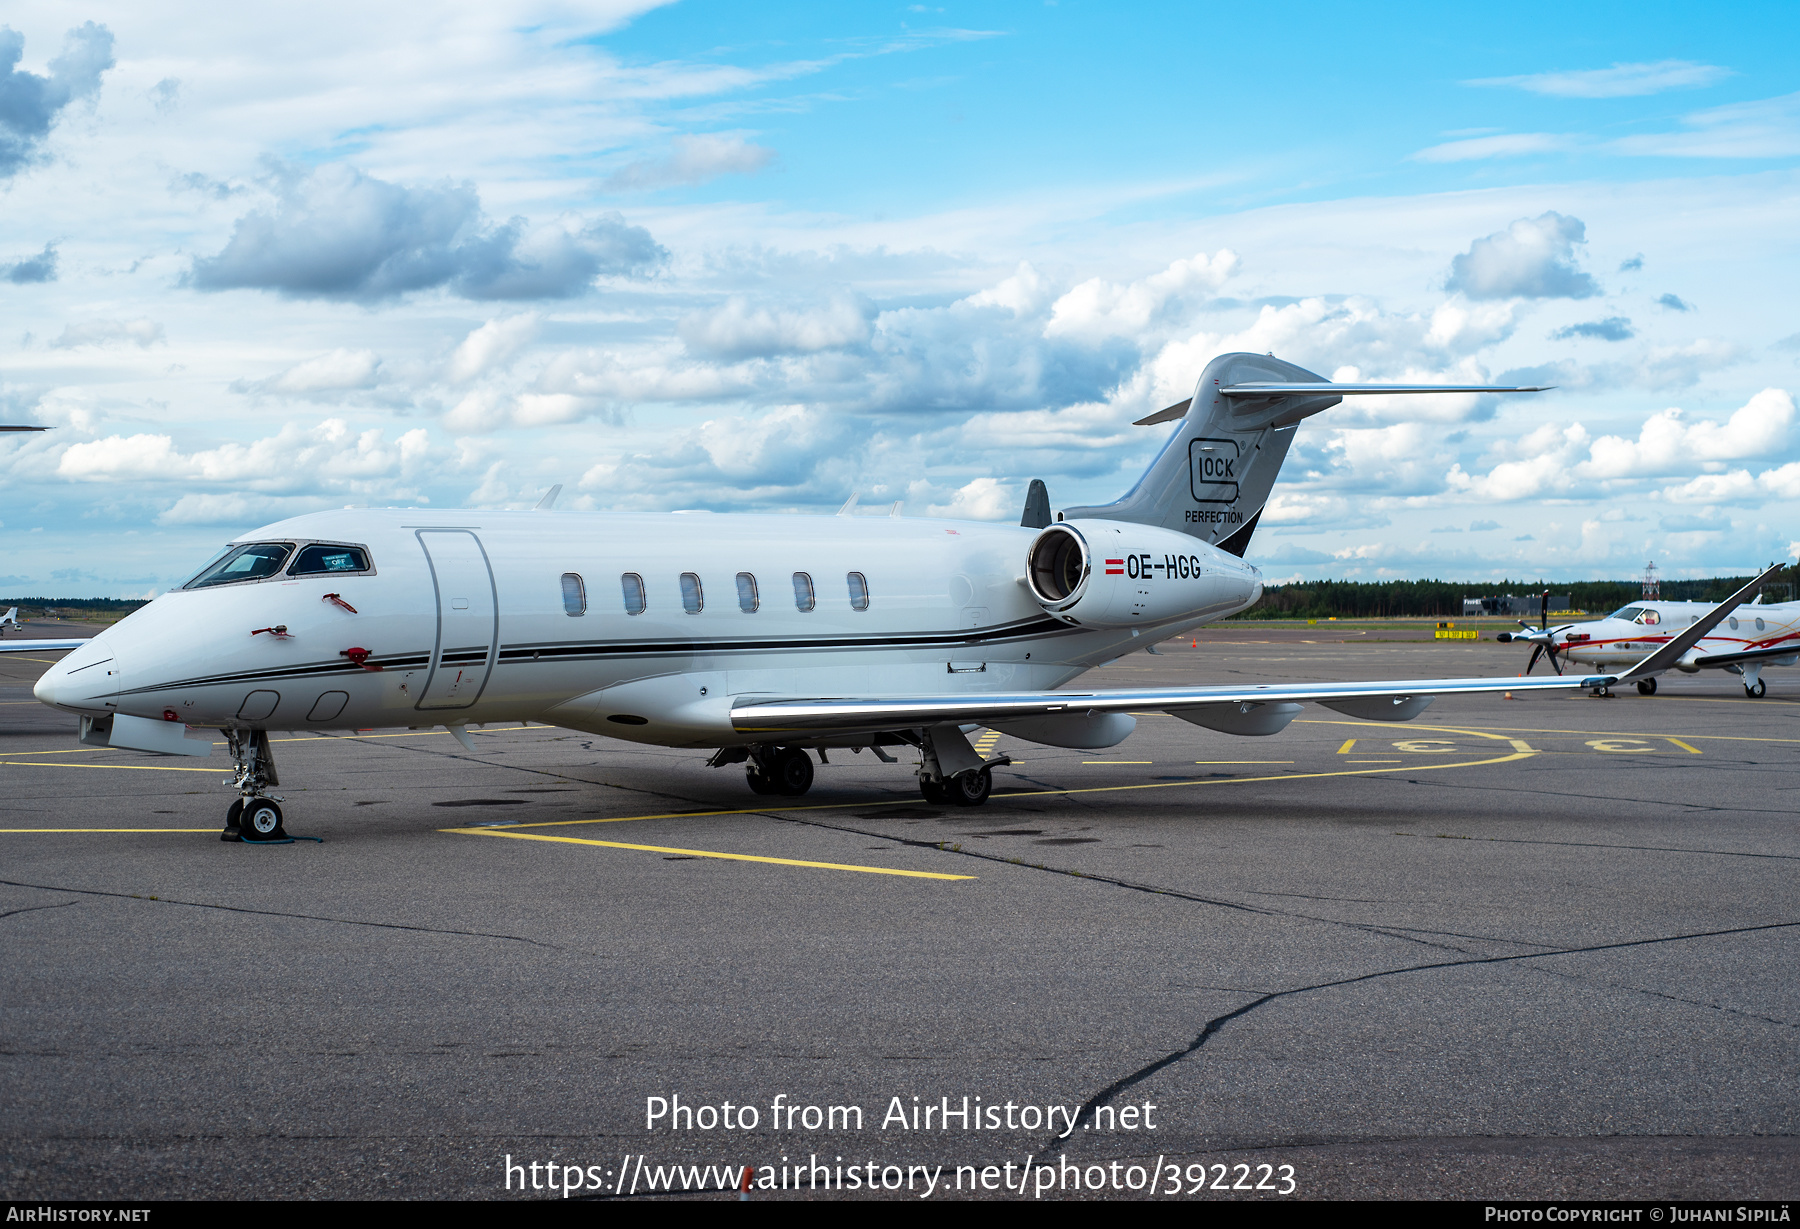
(255, 816)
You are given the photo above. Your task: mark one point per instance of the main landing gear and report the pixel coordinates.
(965, 789)
(1757, 690)
(256, 816)
(1646, 687)
(786, 771)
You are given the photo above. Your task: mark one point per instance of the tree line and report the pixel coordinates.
(1443, 599)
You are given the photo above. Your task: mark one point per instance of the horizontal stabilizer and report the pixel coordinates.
(1261, 389)
(1178, 410)
(10, 427)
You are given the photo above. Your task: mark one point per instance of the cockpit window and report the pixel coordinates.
(252, 561)
(1627, 613)
(1649, 618)
(314, 560)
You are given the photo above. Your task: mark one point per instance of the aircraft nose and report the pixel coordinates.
(81, 681)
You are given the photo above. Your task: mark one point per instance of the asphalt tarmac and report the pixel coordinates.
(1512, 949)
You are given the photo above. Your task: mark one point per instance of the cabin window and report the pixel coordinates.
(633, 584)
(747, 599)
(252, 562)
(1759, 625)
(859, 591)
(804, 597)
(692, 599)
(574, 595)
(1734, 625)
(314, 560)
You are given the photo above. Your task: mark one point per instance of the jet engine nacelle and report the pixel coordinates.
(1112, 574)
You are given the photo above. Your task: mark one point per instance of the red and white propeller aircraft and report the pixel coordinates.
(762, 638)
(1745, 642)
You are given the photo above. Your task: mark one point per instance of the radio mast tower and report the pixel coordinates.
(1652, 587)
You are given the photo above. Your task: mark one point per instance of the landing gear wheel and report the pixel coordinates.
(232, 832)
(791, 772)
(971, 789)
(936, 793)
(1756, 692)
(1646, 687)
(261, 821)
(758, 782)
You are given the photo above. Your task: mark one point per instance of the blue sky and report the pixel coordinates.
(759, 257)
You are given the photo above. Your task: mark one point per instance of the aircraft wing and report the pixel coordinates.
(41, 646)
(1387, 701)
(1395, 701)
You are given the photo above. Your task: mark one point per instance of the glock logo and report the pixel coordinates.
(1213, 470)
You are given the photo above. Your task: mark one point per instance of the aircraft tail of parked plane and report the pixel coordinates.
(1214, 475)
(11, 616)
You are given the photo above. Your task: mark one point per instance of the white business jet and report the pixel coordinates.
(1748, 640)
(763, 638)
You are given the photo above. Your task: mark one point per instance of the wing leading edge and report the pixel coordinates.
(1388, 700)
(41, 646)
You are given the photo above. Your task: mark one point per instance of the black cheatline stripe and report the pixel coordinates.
(931, 640)
(574, 652)
(321, 670)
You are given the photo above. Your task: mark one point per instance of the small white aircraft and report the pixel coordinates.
(44, 646)
(763, 638)
(1750, 639)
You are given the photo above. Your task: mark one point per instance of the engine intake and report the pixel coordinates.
(1057, 567)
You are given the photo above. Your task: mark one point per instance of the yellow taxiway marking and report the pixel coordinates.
(1345, 749)
(706, 853)
(1145, 762)
(1498, 730)
(1683, 745)
(1377, 761)
(1031, 793)
(136, 767)
(1243, 761)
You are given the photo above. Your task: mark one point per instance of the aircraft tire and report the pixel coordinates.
(260, 820)
(937, 793)
(1646, 687)
(970, 789)
(793, 772)
(1757, 692)
(758, 782)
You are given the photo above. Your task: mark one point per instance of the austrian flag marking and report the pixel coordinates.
(1115, 567)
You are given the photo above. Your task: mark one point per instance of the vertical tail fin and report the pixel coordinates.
(1213, 477)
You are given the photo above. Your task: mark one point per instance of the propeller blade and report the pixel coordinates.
(1537, 651)
(1554, 659)
(1544, 618)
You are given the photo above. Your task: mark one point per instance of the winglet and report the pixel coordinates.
(548, 502)
(1694, 633)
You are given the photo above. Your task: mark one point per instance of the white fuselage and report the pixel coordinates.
(465, 618)
(1617, 641)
